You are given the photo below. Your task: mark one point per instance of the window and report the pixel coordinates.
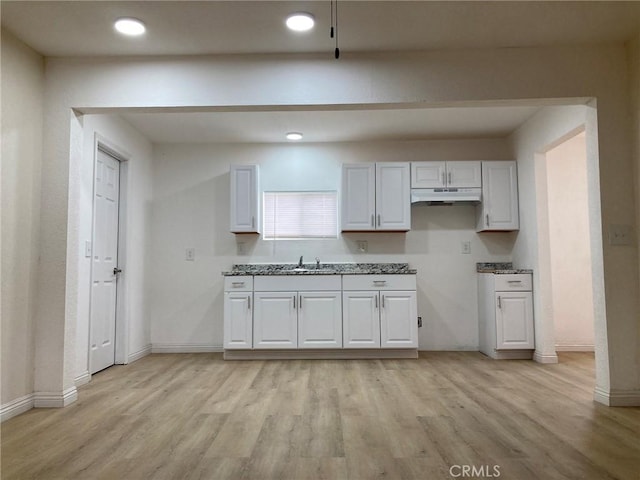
(300, 215)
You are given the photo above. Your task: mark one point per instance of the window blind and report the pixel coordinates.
(300, 215)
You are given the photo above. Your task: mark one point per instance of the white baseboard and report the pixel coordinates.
(321, 354)
(575, 348)
(449, 348)
(16, 407)
(146, 350)
(545, 358)
(185, 348)
(617, 398)
(82, 379)
(55, 399)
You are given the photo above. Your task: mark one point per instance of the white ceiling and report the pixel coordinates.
(331, 126)
(57, 28)
(84, 28)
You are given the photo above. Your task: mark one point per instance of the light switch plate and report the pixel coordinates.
(363, 246)
(465, 247)
(620, 235)
(190, 254)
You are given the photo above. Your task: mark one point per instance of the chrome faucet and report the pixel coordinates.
(317, 262)
(300, 262)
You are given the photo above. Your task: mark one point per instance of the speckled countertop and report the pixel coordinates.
(500, 268)
(325, 269)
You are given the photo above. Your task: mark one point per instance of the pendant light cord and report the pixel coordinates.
(337, 50)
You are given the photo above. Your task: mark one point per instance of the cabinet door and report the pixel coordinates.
(275, 320)
(361, 319)
(320, 320)
(238, 320)
(398, 320)
(245, 212)
(428, 174)
(358, 197)
(499, 208)
(464, 174)
(393, 196)
(514, 320)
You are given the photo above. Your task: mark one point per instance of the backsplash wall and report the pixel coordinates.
(190, 209)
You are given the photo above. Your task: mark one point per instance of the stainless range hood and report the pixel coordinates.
(440, 196)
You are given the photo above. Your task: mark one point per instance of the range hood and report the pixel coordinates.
(440, 196)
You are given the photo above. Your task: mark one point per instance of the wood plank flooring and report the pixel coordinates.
(195, 416)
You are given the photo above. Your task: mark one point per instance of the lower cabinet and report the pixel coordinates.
(380, 319)
(505, 315)
(282, 312)
(275, 320)
(238, 312)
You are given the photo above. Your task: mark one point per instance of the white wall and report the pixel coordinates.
(191, 209)
(569, 245)
(426, 78)
(22, 107)
(137, 150)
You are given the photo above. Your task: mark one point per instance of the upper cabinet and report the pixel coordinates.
(245, 199)
(499, 207)
(446, 174)
(376, 197)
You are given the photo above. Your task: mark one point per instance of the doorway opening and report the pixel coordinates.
(571, 305)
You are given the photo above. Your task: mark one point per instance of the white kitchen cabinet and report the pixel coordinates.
(380, 310)
(245, 199)
(464, 174)
(319, 320)
(376, 197)
(398, 320)
(297, 311)
(361, 319)
(499, 207)
(238, 312)
(506, 315)
(275, 320)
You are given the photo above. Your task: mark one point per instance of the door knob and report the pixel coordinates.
(116, 270)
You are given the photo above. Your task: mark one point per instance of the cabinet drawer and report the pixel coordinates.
(297, 283)
(378, 282)
(242, 283)
(514, 282)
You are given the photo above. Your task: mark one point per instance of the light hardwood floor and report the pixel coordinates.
(196, 416)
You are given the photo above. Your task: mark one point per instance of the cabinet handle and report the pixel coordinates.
(376, 298)
(499, 302)
(449, 177)
(379, 282)
(372, 220)
(294, 301)
(378, 219)
(487, 216)
(300, 303)
(514, 281)
(248, 303)
(237, 284)
(382, 301)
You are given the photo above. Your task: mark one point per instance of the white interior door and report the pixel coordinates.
(104, 261)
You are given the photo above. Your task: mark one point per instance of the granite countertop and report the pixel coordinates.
(500, 268)
(325, 269)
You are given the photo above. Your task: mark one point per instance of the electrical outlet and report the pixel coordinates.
(190, 254)
(363, 246)
(620, 235)
(465, 247)
(242, 248)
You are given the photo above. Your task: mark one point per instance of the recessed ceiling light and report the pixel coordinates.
(130, 26)
(294, 136)
(300, 21)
